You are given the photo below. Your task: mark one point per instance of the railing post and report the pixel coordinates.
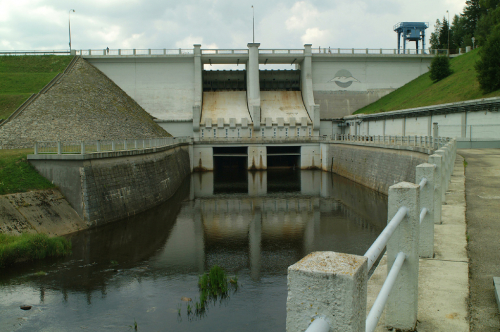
(426, 201)
(436, 160)
(442, 153)
(36, 148)
(59, 147)
(402, 304)
(98, 146)
(82, 149)
(328, 284)
(112, 145)
(125, 144)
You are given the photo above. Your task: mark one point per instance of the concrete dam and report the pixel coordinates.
(187, 100)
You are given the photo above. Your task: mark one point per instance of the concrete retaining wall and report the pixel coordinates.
(106, 189)
(375, 168)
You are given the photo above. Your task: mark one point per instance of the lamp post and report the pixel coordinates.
(253, 25)
(69, 26)
(448, 32)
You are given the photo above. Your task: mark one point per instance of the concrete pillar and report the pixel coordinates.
(435, 135)
(463, 131)
(436, 160)
(306, 87)
(198, 88)
(254, 240)
(402, 304)
(253, 85)
(403, 128)
(383, 129)
(329, 285)
(426, 201)
(257, 157)
(442, 179)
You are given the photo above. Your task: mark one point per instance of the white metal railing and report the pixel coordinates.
(134, 52)
(421, 141)
(414, 207)
(281, 51)
(375, 51)
(223, 51)
(86, 147)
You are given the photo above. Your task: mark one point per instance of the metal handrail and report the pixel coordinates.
(380, 243)
(379, 304)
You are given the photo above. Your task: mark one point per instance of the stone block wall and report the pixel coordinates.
(102, 190)
(375, 168)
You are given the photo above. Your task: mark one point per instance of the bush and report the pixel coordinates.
(488, 67)
(440, 68)
(31, 247)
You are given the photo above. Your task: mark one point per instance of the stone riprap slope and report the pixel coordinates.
(84, 105)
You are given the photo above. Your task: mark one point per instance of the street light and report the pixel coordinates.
(253, 25)
(69, 25)
(448, 32)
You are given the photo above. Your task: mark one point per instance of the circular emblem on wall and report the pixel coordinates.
(343, 78)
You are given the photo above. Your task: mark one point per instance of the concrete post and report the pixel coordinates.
(443, 173)
(59, 147)
(426, 241)
(98, 146)
(436, 160)
(402, 304)
(112, 145)
(328, 284)
(198, 87)
(134, 51)
(125, 144)
(82, 149)
(253, 84)
(36, 148)
(435, 134)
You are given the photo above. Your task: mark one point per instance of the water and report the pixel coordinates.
(254, 225)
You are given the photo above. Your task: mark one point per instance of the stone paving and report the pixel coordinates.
(83, 105)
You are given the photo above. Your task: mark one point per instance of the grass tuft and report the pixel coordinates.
(461, 85)
(17, 175)
(29, 247)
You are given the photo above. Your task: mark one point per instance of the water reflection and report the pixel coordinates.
(254, 224)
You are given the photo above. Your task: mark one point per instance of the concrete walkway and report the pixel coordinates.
(483, 228)
(443, 280)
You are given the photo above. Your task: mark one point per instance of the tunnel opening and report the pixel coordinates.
(279, 80)
(283, 157)
(230, 174)
(224, 80)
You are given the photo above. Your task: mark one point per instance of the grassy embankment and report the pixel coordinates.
(17, 175)
(21, 76)
(461, 85)
(29, 247)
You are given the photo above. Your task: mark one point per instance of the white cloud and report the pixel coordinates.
(96, 24)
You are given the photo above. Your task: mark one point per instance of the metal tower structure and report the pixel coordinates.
(412, 31)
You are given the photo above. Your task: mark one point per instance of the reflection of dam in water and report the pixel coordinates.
(249, 219)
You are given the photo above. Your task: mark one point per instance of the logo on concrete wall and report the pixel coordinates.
(343, 78)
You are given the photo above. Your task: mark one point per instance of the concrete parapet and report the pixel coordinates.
(335, 285)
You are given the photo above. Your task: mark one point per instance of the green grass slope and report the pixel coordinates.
(21, 76)
(459, 86)
(17, 175)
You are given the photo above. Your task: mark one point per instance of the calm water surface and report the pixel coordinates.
(254, 225)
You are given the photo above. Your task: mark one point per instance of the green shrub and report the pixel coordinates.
(31, 247)
(488, 67)
(440, 68)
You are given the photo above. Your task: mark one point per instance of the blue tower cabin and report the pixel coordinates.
(412, 31)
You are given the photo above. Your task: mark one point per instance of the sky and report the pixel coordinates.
(158, 24)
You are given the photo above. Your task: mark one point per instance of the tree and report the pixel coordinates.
(434, 40)
(440, 68)
(439, 38)
(472, 13)
(488, 67)
(486, 23)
